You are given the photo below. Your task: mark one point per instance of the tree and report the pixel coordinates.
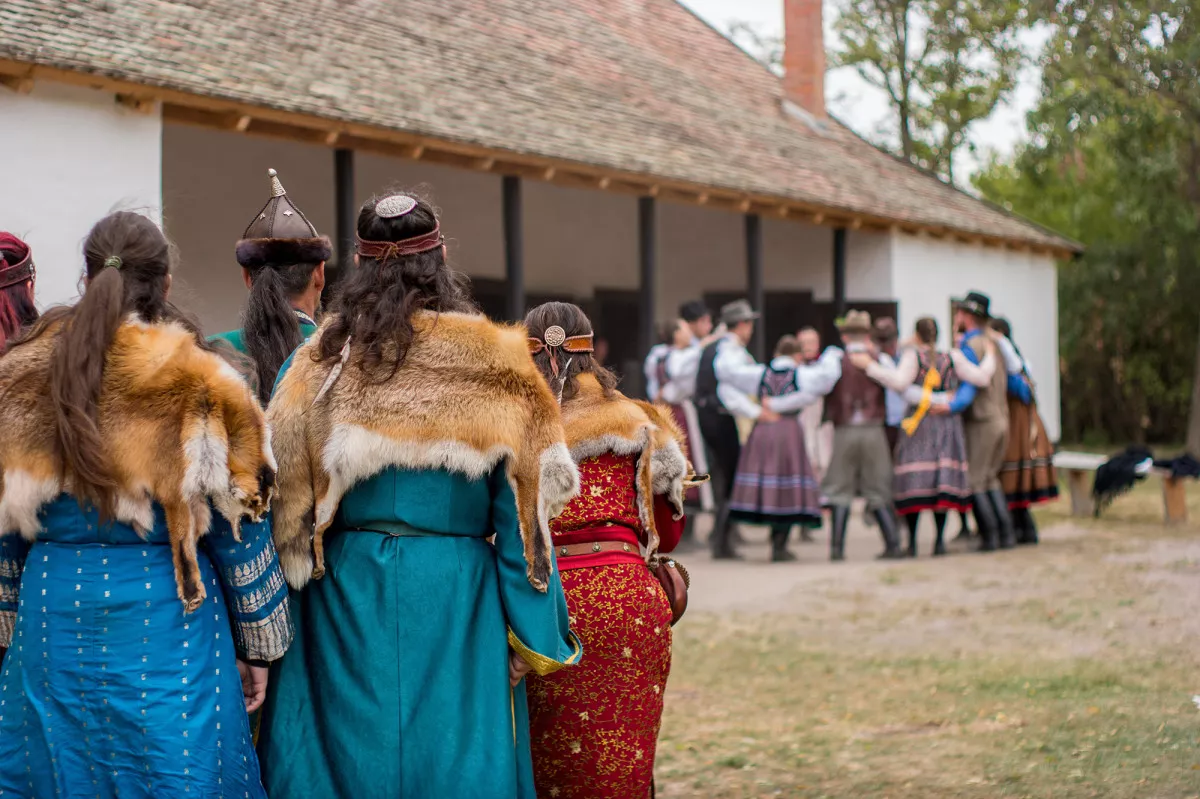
(1139, 60)
(1113, 162)
(944, 64)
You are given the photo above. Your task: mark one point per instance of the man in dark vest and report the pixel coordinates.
(726, 378)
(861, 463)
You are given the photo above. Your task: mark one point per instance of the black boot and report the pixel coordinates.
(1004, 520)
(912, 519)
(722, 546)
(985, 519)
(1027, 532)
(839, 517)
(887, 529)
(939, 523)
(965, 531)
(779, 538)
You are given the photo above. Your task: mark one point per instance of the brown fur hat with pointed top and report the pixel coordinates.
(281, 235)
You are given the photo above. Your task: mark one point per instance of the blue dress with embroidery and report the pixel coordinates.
(108, 689)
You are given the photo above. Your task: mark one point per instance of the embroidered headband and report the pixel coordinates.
(17, 273)
(12, 273)
(386, 250)
(554, 338)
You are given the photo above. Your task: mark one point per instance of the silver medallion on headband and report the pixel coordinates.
(394, 206)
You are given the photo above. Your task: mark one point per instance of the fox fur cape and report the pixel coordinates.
(179, 424)
(597, 423)
(466, 398)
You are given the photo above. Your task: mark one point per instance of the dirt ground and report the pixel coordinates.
(1063, 670)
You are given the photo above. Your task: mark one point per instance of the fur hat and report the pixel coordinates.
(280, 235)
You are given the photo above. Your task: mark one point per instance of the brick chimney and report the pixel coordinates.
(804, 55)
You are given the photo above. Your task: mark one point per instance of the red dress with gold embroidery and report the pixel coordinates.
(594, 726)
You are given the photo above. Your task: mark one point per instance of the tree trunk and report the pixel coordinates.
(1193, 428)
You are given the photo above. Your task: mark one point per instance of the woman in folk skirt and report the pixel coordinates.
(775, 482)
(931, 456)
(1028, 475)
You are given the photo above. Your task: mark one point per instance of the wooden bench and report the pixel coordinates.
(1079, 468)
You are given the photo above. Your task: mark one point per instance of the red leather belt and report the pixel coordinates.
(596, 547)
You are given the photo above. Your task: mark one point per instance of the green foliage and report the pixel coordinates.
(1114, 162)
(943, 64)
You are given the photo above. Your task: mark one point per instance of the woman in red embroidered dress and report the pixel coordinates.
(594, 727)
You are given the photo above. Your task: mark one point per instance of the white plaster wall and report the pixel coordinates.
(214, 184)
(869, 267)
(71, 156)
(1023, 287)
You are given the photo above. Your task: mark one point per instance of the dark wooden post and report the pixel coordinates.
(343, 182)
(839, 273)
(754, 281)
(648, 260)
(514, 251)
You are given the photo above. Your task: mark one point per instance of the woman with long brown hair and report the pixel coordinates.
(595, 727)
(410, 430)
(109, 687)
(17, 276)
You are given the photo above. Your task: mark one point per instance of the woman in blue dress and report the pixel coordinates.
(109, 688)
(421, 457)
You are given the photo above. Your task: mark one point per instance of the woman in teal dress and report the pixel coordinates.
(110, 688)
(283, 265)
(421, 457)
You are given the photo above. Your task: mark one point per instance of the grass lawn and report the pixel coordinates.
(1062, 671)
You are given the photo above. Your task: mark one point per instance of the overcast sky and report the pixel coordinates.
(862, 106)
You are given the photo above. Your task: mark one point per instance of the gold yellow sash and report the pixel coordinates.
(932, 381)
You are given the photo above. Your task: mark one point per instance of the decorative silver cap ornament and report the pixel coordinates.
(394, 206)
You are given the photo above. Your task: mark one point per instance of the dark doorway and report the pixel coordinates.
(616, 319)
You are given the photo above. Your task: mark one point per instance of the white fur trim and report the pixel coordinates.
(297, 564)
(136, 511)
(610, 442)
(23, 497)
(559, 481)
(668, 467)
(206, 461)
(353, 454)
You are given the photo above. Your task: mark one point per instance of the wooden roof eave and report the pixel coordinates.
(232, 115)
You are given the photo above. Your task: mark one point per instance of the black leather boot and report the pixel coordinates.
(1027, 532)
(965, 531)
(839, 517)
(722, 546)
(887, 529)
(939, 523)
(779, 538)
(985, 519)
(1004, 520)
(912, 520)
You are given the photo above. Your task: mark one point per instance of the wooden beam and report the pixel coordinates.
(839, 272)
(332, 137)
(138, 104)
(648, 272)
(755, 286)
(225, 114)
(18, 84)
(243, 122)
(514, 247)
(486, 164)
(604, 183)
(702, 198)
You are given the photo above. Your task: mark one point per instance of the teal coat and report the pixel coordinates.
(397, 683)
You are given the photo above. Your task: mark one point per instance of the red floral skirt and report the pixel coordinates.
(594, 726)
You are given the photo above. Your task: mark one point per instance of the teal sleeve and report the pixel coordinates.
(538, 625)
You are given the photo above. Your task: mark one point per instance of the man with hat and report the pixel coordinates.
(726, 379)
(861, 463)
(985, 423)
(283, 265)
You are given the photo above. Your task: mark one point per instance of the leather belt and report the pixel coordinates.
(573, 550)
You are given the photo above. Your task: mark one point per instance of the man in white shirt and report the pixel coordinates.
(727, 379)
(886, 338)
